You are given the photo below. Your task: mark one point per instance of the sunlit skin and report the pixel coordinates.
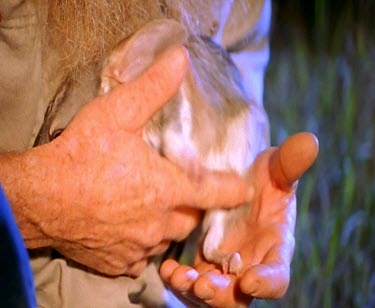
(100, 195)
(265, 238)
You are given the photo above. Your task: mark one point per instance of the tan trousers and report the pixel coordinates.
(65, 284)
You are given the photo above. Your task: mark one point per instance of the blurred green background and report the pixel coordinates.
(321, 79)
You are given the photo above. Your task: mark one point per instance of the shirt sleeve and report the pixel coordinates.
(16, 281)
(244, 32)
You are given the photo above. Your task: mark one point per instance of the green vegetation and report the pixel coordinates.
(321, 79)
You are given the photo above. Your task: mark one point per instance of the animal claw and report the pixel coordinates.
(235, 263)
(231, 263)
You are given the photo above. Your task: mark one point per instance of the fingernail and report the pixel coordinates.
(192, 274)
(220, 281)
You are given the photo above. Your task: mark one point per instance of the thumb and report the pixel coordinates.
(292, 159)
(134, 103)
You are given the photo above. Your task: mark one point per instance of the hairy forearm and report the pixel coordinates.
(29, 182)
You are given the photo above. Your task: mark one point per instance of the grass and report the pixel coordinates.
(320, 79)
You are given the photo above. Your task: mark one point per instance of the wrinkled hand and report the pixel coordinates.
(120, 202)
(265, 239)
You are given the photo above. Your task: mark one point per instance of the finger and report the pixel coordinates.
(137, 268)
(133, 104)
(181, 222)
(270, 280)
(183, 278)
(209, 284)
(219, 291)
(214, 189)
(204, 288)
(167, 268)
(293, 158)
(210, 287)
(180, 277)
(158, 249)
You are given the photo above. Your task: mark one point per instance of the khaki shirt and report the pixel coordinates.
(30, 84)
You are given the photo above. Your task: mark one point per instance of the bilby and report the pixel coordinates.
(210, 122)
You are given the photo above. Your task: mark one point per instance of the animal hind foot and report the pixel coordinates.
(230, 263)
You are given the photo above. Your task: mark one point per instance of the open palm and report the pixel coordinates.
(264, 238)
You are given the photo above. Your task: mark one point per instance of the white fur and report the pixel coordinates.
(245, 138)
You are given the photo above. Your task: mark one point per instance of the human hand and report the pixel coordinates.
(113, 201)
(265, 238)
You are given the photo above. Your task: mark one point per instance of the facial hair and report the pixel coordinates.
(85, 31)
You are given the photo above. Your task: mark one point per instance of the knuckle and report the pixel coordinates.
(137, 268)
(116, 267)
(110, 269)
(151, 236)
(159, 249)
